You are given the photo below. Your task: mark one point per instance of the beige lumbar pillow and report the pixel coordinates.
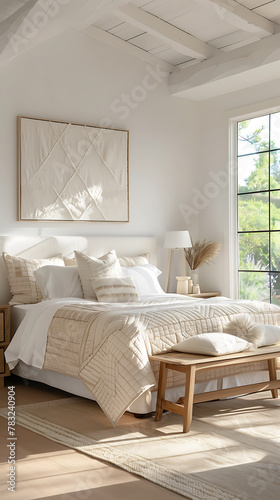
(115, 289)
(20, 271)
(213, 344)
(69, 261)
(107, 266)
(138, 260)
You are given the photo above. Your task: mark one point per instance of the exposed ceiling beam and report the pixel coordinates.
(241, 17)
(105, 8)
(38, 21)
(118, 43)
(229, 71)
(179, 40)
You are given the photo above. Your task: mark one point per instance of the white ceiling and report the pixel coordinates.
(207, 47)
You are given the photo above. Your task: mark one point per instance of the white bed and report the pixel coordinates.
(44, 247)
(29, 367)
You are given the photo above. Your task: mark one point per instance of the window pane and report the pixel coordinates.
(253, 172)
(253, 135)
(275, 131)
(275, 210)
(275, 251)
(275, 170)
(254, 251)
(254, 286)
(258, 200)
(253, 212)
(275, 289)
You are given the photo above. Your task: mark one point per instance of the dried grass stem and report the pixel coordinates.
(201, 253)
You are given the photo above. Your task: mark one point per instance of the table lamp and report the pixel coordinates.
(176, 240)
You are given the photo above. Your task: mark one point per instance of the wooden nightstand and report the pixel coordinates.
(204, 295)
(4, 341)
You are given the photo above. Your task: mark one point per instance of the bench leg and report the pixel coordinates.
(161, 390)
(189, 392)
(272, 375)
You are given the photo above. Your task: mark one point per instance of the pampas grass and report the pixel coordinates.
(201, 253)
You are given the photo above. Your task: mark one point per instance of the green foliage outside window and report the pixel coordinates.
(259, 208)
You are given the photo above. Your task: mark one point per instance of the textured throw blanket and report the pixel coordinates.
(107, 346)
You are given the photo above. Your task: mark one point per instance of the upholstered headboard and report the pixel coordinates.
(40, 247)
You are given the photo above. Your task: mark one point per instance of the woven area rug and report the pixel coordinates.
(231, 453)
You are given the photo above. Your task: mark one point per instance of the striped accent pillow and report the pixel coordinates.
(115, 289)
(89, 268)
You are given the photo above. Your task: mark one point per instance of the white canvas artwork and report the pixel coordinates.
(72, 172)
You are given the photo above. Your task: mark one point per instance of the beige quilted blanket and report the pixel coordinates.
(107, 345)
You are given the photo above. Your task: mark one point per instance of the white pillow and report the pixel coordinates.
(145, 279)
(115, 289)
(271, 335)
(213, 344)
(59, 281)
(107, 266)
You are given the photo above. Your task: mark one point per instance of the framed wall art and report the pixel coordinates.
(71, 172)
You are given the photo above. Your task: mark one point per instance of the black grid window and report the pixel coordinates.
(258, 205)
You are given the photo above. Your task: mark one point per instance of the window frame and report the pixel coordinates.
(246, 113)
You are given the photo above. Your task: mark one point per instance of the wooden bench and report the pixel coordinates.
(192, 363)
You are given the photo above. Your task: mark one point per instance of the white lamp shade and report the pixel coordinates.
(177, 239)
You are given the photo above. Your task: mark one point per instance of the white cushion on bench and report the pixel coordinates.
(213, 344)
(271, 335)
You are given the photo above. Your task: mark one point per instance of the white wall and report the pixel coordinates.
(174, 143)
(214, 116)
(75, 78)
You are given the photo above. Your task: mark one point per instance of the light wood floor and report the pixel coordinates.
(48, 470)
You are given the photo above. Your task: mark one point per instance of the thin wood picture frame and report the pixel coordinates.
(72, 172)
